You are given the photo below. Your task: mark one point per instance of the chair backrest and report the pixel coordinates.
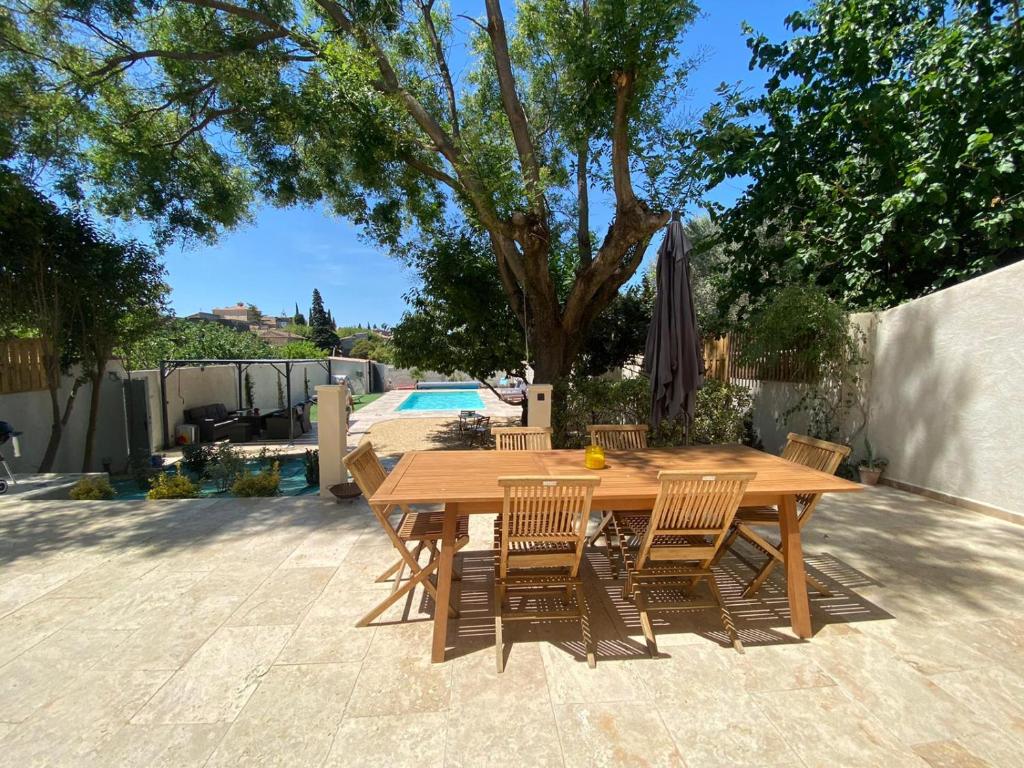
(546, 510)
(692, 515)
(816, 454)
(366, 469)
(522, 438)
(618, 437)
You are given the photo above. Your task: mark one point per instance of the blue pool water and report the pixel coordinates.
(293, 481)
(440, 400)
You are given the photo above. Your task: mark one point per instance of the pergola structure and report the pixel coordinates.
(282, 366)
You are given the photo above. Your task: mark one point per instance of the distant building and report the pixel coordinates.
(276, 337)
(209, 317)
(239, 313)
(345, 343)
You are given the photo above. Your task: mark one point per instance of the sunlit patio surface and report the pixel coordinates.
(221, 632)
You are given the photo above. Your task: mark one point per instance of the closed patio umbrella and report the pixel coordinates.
(673, 357)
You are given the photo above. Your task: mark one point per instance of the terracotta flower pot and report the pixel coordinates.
(869, 476)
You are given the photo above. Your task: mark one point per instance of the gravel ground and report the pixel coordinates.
(395, 437)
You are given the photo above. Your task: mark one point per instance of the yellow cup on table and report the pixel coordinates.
(593, 457)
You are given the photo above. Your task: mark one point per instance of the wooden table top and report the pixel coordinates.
(629, 480)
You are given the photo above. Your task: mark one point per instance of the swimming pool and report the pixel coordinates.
(442, 400)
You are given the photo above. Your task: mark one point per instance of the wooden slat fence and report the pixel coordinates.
(21, 366)
(724, 360)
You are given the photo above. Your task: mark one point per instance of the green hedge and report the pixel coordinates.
(721, 415)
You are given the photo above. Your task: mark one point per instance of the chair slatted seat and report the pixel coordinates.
(806, 451)
(422, 528)
(615, 437)
(538, 544)
(674, 549)
(522, 438)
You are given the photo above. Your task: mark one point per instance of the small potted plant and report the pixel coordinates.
(871, 467)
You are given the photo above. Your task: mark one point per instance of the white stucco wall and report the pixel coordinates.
(946, 390)
(30, 413)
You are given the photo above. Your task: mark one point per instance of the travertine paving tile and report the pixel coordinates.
(913, 707)
(400, 685)
(73, 726)
(391, 740)
(170, 638)
(777, 668)
(571, 681)
(160, 746)
(613, 735)
(283, 598)
(219, 679)
(826, 728)
(131, 608)
(948, 754)
(291, 719)
(325, 547)
(520, 726)
(27, 684)
(995, 694)
(36, 621)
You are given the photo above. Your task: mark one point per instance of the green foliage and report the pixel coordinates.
(298, 319)
(176, 485)
(224, 467)
(459, 319)
(870, 460)
(195, 457)
(720, 414)
(321, 327)
(190, 114)
(179, 339)
(619, 333)
(300, 350)
(92, 489)
(267, 482)
(803, 323)
(311, 465)
(885, 151)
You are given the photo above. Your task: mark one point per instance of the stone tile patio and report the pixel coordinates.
(220, 632)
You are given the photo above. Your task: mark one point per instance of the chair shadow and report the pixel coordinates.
(762, 620)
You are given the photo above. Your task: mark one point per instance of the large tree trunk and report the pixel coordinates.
(56, 429)
(96, 380)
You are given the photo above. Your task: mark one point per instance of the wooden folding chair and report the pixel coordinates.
(421, 528)
(522, 438)
(615, 437)
(674, 548)
(800, 449)
(538, 542)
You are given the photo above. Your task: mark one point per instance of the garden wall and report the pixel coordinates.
(29, 413)
(943, 394)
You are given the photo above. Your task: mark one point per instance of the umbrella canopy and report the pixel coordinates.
(674, 358)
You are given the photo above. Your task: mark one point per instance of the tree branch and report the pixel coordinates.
(211, 116)
(513, 106)
(442, 65)
(134, 56)
(624, 196)
(583, 204)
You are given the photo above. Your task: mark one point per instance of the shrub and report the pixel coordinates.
(224, 467)
(264, 483)
(719, 415)
(195, 457)
(177, 485)
(268, 457)
(312, 466)
(92, 489)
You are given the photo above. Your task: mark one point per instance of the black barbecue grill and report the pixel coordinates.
(8, 434)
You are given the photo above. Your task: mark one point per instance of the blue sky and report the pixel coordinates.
(285, 253)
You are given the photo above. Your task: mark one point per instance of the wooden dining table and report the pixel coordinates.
(466, 483)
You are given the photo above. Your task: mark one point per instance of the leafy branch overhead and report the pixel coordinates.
(186, 112)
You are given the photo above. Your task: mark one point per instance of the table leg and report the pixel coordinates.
(444, 582)
(796, 584)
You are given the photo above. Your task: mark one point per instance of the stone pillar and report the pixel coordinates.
(538, 413)
(332, 434)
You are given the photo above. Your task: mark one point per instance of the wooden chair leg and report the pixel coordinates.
(499, 647)
(601, 529)
(588, 637)
(762, 575)
(645, 623)
(386, 576)
(727, 622)
(416, 578)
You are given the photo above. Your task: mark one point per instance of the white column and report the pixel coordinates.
(332, 434)
(538, 413)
